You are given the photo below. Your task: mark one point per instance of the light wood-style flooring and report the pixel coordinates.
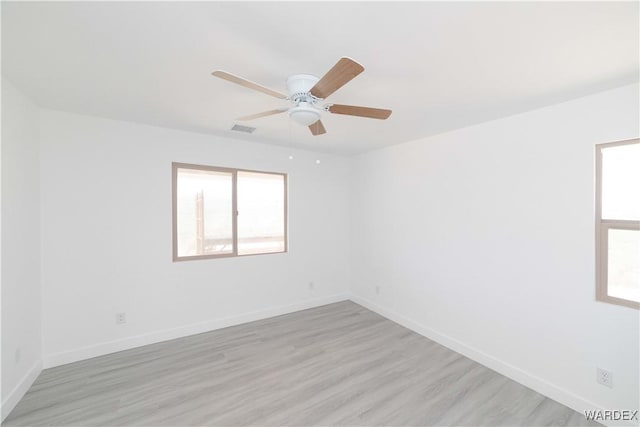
(339, 364)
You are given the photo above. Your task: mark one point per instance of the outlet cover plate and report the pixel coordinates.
(604, 377)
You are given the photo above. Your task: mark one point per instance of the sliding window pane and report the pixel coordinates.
(204, 212)
(623, 266)
(620, 178)
(261, 213)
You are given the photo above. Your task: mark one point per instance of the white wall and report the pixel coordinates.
(483, 238)
(106, 241)
(21, 293)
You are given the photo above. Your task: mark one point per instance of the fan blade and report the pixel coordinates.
(317, 128)
(341, 73)
(247, 83)
(353, 110)
(263, 114)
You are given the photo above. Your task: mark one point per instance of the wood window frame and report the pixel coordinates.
(602, 233)
(234, 206)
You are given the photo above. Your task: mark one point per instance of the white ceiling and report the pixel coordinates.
(438, 65)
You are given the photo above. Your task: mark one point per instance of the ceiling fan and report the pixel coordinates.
(307, 92)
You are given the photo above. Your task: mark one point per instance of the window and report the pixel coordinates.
(618, 223)
(222, 212)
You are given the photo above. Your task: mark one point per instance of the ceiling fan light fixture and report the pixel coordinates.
(304, 114)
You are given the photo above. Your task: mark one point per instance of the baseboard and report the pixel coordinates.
(20, 389)
(540, 385)
(101, 349)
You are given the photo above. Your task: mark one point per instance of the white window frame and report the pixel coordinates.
(602, 233)
(234, 173)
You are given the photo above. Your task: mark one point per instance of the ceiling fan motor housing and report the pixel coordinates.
(299, 86)
(304, 111)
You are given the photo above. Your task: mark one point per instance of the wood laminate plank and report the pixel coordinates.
(339, 364)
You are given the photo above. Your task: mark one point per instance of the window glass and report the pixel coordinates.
(204, 212)
(261, 213)
(620, 182)
(623, 267)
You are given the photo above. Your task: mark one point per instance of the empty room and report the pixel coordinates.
(320, 213)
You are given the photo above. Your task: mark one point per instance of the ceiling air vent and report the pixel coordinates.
(245, 129)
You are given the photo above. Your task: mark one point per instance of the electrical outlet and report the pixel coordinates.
(121, 318)
(377, 290)
(311, 286)
(605, 377)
